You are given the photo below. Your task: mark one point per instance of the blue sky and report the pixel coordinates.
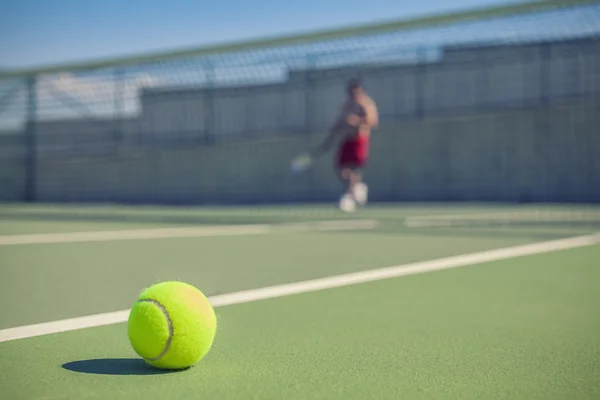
(45, 32)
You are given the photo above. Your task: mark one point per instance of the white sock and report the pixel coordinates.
(360, 193)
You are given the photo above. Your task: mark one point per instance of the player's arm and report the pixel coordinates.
(329, 140)
(333, 134)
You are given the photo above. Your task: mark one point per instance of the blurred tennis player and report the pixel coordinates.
(352, 129)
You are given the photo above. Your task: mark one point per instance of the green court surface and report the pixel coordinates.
(516, 328)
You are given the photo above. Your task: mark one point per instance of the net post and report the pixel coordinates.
(31, 140)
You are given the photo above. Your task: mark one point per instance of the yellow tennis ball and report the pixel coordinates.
(172, 325)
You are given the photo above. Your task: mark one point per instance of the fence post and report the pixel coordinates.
(308, 96)
(31, 141)
(309, 117)
(119, 106)
(420, 72)
(545, 74)
(209, 104)
(542, 121)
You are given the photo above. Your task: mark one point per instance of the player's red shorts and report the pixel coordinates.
(354, 152)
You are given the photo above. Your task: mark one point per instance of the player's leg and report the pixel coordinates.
(357, 187)
(351, 176)
(352, 158)
(346, 174)
(344, 171)
(356, 161)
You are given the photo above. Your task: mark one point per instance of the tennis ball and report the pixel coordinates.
(172, 325)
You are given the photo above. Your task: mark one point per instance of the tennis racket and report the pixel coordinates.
(307, 159)
(302, 162)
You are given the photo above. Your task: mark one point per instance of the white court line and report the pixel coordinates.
(131, 234)
(188, 232)
(435, 220)
(314, 284)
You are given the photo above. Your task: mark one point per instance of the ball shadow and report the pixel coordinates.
(114, 366)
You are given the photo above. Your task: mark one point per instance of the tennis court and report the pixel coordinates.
(454, 317)
(472, 273)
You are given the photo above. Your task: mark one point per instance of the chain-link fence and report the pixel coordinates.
(495, 104)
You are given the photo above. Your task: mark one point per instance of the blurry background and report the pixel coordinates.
(491, 104)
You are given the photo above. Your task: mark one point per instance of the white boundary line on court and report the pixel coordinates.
(444, 220)
(315, 284)
(186, 232)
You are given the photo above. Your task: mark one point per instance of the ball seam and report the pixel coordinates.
(169, 323)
